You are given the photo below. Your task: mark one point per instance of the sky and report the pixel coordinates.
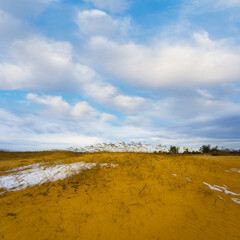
(76, 73)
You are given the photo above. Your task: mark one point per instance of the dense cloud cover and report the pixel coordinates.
(78, 73)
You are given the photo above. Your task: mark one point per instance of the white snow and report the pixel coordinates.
(236, 200)
(227, 191)
(108, 165)
(235, 170)
(24, 167)
(188, 179)
(221, 189)
(220, 197)
(103, 164)
(212, 187)
(113, 165)
(224, 187)
(231, 193)
(37, 174)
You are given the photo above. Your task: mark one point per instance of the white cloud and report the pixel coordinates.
(35, 132)
(189, 109)
(83, 110)
(39, 64)
(25, 7)
(29, 131)
(10, 28)
(222, 3)
(13, 76)
(202, 61)
(40, 133)
(108, 95)
(57, 107)
(114, 6)
(131, 104)
(204, 93)
(203, 6)
(106, 117)
(96, 22)
(43, 64)
(228, 3)
(47, 65)
(55, 103)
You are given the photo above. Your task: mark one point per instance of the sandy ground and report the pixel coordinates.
(141, 196)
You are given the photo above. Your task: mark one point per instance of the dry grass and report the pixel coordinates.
(138, 199)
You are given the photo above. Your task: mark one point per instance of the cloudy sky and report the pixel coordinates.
(75, 73)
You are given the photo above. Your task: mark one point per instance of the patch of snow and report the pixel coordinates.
(221, 189)
(212, 187)
(231, 193)
(103, 164)
(174, 174)
(38, 174)
(113, 165)
(220, 197)
(188, 179)
(235, 170)
(108, 165)
(236, 200)
(226, 191)
(24, 167)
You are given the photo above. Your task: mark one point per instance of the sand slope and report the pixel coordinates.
(144, 196)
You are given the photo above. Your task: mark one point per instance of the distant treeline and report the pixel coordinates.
(149, 148)
(157, 149)
(205, 149)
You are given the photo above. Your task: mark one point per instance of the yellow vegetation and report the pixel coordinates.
(147, 196)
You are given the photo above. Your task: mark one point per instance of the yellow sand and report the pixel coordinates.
(138, 199)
